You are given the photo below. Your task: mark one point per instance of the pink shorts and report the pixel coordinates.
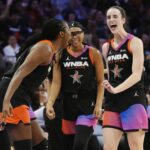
(68, 127)
(133, 119)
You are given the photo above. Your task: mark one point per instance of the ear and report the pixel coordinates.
(61, 33)
(124, 20)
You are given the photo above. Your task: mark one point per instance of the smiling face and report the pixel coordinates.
(115, 20)
(77, 36)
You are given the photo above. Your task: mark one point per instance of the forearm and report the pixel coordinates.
(100, 95)
(54, 92)
(49, 87)
(13, 86)
(129, 82)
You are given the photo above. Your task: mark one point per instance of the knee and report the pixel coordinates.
(135, 146)
(106, 147)
(109, 147)
(79, 144)
(136, 143)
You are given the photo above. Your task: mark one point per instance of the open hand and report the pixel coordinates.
(7, 109)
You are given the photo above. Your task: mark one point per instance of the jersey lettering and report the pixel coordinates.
(76, 64)
(118, 57)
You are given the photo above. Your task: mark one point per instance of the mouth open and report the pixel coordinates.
(113, 27)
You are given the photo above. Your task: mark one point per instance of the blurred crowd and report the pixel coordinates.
(21, 18)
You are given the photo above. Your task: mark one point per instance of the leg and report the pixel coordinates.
(134, 119)
(54, 129)
(111, 138)
(39, 141)
(37, 133)
(68, 129)
(112, 130)
(147, 138)
(68, 140)
(123, 145)
(136, 139)
(23, 139)
(38, 138)
(4, 140)
(54, 134)
(94, 143)
(19, 129)
(82, 137)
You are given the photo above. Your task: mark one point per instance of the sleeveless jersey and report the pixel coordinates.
(120, 68)
(78, 73)
(78, 84)
(29, 84)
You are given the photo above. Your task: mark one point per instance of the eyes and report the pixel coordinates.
(76, 33)
(113, 16)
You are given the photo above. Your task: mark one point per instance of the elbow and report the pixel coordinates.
(138, 76)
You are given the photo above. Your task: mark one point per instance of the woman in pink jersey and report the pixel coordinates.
(125, 103)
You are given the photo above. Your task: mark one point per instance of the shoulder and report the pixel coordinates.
(135, 40)
(7, 47)
(95, 55)
(7, 50)
(43, 45)
(105, 45)
(94, 51)
(135, 44)
(42, 48)
(17, 46)
(41, 52)
(105, 48)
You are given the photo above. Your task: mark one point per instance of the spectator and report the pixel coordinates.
(11, 50)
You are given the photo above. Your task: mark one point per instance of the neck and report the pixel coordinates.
(55, 46)
(121, 36)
